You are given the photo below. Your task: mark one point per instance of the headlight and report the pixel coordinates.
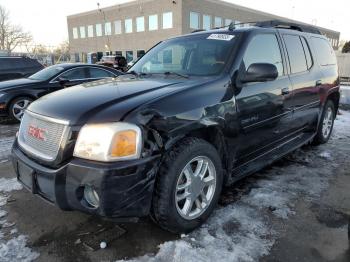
(109, 142)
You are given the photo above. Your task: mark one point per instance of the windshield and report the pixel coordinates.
(47, 73)
(198, 55)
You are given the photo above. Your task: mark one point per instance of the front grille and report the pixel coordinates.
(40, 136)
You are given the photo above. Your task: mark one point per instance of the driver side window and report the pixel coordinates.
(264, 48)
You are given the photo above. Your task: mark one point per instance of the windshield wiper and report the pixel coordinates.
(175, 73)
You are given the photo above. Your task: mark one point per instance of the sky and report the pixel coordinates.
(46, 19)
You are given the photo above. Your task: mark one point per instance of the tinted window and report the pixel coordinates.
(324, 52)
(74, 74)
(129, 56)
(264, 49)
(296, 54)
(99, 73)
(307, 53)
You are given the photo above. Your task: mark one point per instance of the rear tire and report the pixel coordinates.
(188, 186)
(325, 126)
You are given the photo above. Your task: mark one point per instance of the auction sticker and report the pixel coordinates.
(223, 37)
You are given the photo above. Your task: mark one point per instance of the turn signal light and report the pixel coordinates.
(124, 144)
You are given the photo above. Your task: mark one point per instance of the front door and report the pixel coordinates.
(264, 108)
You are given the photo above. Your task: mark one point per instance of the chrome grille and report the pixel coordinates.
(45, 147)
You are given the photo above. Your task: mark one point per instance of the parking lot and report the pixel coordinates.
(296, 210)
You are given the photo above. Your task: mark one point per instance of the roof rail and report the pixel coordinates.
(197, 30)
(289, 25)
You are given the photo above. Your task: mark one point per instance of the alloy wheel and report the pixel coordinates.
(19, 107)
(195, 188)
(327, 122)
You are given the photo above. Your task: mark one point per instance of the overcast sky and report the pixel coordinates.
(46, 19)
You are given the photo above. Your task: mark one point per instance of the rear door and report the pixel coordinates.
(305, 77)
(263, 107)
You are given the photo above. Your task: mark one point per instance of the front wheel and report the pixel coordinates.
(325, 126)
(188, 186)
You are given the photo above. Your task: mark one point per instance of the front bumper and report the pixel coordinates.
(125, 188)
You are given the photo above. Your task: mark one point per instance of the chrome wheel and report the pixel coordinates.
(195, 188)
(19, 107)
(327, 122)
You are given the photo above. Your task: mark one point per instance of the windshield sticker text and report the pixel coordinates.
(223, 37)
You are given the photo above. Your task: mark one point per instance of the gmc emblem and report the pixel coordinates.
(37, 132)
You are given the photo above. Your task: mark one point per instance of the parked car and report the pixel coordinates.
(196, 113)
(12, 67)
(116, 62)
(16, 95)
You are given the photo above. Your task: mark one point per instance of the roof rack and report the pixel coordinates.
(272, 24)
(289, 25)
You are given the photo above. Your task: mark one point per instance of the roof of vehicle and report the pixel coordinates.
(72, 65)
(264, 25)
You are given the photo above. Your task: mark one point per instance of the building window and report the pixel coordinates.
(129, 56)
(194, 20)
(218, 22)
(90, 31)
(228, 22)
(118, 27)
(206, 22)
(153, 22)
(75, 33)
(118, 53)
(140, 53)
(108, 28)
(167, 20)
(140, 24)
(128, 25)
(82, 32)
(98, 30)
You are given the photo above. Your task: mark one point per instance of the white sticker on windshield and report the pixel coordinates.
(223, 37)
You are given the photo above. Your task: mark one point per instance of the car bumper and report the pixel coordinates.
(125, 189)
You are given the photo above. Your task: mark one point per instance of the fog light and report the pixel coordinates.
(91, 197)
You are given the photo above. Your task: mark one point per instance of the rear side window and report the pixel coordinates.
(307, 53)
(323, 51)
(74, 74)
(296, 53)
(99, 73)
(264, 48)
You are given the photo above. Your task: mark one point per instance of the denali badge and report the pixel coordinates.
(37, 132)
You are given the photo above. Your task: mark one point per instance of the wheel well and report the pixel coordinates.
(215, 137)
(10, 102)
(335, 97)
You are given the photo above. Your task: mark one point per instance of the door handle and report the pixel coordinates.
(285, 91)
(318, 82)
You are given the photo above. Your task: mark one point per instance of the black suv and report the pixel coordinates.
(194, 114)
(13, 67)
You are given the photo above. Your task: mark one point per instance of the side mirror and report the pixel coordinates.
(63, 81)
(260, 72)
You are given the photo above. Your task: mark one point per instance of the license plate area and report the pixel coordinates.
(26, 176)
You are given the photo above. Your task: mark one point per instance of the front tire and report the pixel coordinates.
(325, 126)
(188, 186)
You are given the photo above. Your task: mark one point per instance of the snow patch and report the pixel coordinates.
(12, 249)
(5, 147)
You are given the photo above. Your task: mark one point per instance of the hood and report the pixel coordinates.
(105, 100)
(10, 84)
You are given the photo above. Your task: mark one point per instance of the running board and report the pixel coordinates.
(270, 156)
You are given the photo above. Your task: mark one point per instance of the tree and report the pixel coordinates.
(346, 47)
(11, 36)
(62, 49)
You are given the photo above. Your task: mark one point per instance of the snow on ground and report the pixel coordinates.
(5, 148)
(243, 231)
(12, 246)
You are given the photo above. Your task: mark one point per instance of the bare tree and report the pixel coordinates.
(11, 36)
